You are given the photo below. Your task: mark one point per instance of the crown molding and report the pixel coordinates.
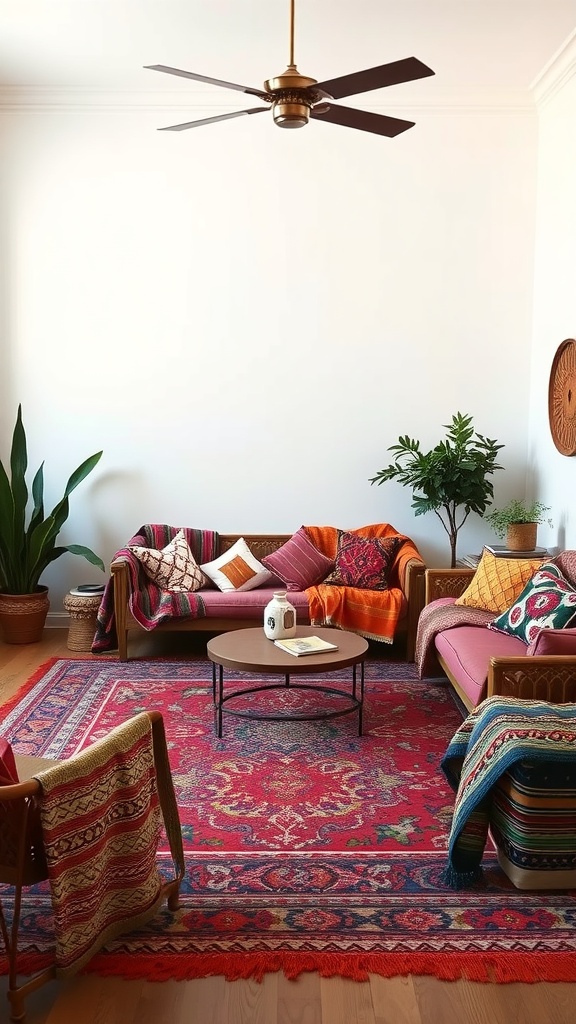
(38, 99)
(556, 73)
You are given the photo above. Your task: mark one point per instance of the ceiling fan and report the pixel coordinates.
(294, 98)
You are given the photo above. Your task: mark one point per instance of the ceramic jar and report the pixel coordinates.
(279, 617)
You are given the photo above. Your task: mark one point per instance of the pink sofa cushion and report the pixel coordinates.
(553, 641)
(250, 604)
(467, 651)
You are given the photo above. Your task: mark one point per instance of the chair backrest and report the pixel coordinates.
(80, 791)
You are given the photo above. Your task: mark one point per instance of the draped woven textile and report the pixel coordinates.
(148, 603)
(500, 732)
(100, 818)
(434, 618)
(373, 614)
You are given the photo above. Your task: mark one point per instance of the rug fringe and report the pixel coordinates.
(489, 968)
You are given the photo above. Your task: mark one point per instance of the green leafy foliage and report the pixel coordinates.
(517, 511)
(451, 479)
(26, 550)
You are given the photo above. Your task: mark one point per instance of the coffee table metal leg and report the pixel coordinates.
(361, 701)
(214, 682)
(219, 701)
(287, 679)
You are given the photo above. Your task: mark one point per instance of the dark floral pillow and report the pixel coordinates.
(364, 562)
(547, 601)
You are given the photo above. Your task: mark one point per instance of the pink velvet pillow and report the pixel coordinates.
(8, 773)
(298, 563)
(553, 641)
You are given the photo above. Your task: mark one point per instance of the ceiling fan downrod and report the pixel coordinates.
(291, 109)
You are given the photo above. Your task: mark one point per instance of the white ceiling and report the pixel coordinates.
(103, 44)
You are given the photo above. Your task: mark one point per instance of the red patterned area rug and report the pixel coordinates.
(307, 846)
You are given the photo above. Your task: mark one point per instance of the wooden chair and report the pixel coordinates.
(24, 860)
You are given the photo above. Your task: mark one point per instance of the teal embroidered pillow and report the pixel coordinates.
(547, 601)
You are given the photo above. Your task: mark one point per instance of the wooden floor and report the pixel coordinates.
(308, 1000)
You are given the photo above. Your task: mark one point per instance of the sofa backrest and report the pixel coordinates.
(260, 544)
(566, 562)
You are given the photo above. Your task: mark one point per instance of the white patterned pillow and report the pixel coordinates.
(237, 569)
(172, 568)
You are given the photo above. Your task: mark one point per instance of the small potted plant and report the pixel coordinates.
(27, 548)
(518, 523)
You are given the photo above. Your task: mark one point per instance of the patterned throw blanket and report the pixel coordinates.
(434, 618)
(149, 604)
(100, 817)
(498, 733)
(372, 614)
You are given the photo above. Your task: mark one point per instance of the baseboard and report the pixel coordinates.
(57, 620)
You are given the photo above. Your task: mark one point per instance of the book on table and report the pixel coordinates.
(501, 551)
(301, 645)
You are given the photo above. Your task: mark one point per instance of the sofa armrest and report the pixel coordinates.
(446, 583)
(121, 582)
(548, 677)
(412, 585)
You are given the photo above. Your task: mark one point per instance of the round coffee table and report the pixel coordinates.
(249, 650)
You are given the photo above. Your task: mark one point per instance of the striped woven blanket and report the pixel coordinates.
(101, 820)
(149, 604)
(500, 732)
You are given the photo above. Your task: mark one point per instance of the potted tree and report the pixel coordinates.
(26, 549)
(518, 522)
(451, 479)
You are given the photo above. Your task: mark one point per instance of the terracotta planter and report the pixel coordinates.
(23, 616)
(522, 536)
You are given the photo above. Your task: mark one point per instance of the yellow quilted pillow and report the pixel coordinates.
(497, 582)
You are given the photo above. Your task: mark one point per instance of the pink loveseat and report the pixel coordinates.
(234, 610)
(480, 662)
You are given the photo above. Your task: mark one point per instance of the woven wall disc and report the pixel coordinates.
(562, 398)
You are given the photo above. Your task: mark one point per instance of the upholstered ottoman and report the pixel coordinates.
(533, 824)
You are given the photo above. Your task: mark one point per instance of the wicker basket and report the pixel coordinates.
(522, 536)
(83, 612)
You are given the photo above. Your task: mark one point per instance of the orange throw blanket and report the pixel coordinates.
(373, 614)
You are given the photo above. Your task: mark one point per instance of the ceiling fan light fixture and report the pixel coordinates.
(289, 113)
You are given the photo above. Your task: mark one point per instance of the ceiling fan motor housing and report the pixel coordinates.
(292, 98)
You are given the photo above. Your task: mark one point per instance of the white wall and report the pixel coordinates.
(554, 475)
(244, 319)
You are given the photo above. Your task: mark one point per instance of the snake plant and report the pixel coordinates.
(26, 549)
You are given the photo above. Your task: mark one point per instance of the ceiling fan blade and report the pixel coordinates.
(203, 78)
(398, 71)
(211, 120)
(379, 124)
